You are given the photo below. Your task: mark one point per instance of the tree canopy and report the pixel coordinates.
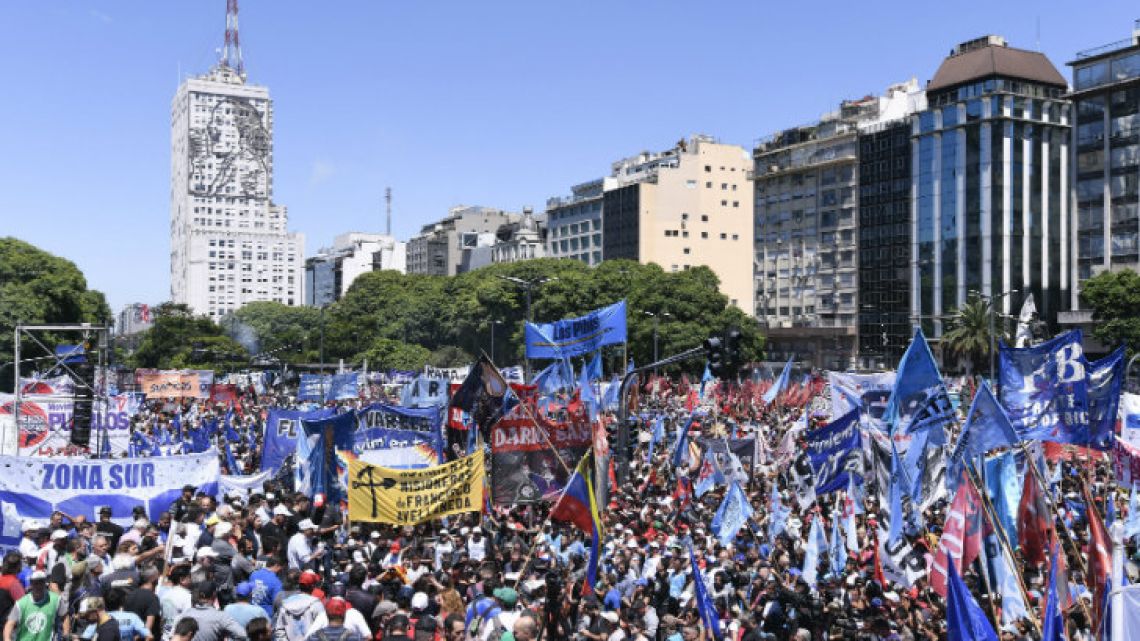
(37, 287)
(180, 340)
(1114, 298)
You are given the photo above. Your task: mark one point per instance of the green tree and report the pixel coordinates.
(386, 353)
(1114, 298)
(968, 336)
(39, 288)
(178, 339)
(449, 356)
(290, 334)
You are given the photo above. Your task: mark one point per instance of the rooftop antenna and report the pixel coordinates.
(388, 206)
(231, 54)
(1039, 33)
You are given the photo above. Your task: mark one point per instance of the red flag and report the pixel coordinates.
(961, 537)
(1100, 559)
(1033, 522)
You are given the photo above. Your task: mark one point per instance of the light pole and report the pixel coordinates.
(656, 322)
(493, 324)
(526, 285)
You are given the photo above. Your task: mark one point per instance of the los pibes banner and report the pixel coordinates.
(410, 497)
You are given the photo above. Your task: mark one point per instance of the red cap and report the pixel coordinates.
(395, 546)
(308, 577)
(336, 607)
(318, 500)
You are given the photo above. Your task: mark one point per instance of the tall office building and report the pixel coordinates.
(683, 207)
(806, 264)
(1106, 139)
(990, 183)
(330, 273)
(574, 223)
(229, 240)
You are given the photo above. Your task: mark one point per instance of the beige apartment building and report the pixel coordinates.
(687, 206)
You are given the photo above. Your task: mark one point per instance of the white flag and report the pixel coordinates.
(1024, 331)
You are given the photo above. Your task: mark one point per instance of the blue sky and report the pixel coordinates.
(493, 103)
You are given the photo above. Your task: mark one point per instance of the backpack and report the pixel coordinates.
(341, 634)
(484, 633)
(296, 617)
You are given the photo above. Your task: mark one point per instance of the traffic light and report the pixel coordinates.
(734, 351)
(715, 353)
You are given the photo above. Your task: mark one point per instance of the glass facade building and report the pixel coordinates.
(989, 207)
(1106, 139)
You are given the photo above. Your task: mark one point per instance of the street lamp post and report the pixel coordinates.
(656, 322)
(493, 324)
(526, 285)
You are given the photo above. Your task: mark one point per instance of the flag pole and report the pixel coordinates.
(530, 415)
(991, 513)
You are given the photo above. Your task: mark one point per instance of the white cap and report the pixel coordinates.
(464, 531)
(306, 524)
(223, 529)
(38, 575)
(419, 601)
(610, 615)
(281, 510)
(374, 535)
(58, 534)
(142, 524)
(443, 532)
(477, 529)
(205, 552)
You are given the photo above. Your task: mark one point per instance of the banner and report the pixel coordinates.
(243, 485)
(156, 383)
(281, 430)
(868, 392)
(381, 426)
(1105, 378)
(55, 386)
(401, 458)
(226, 394)
(1130, 418)
(45, 425)
(34, 487)
(577, 336)
(836, 452)
(313, 387)
(343, 387)
(1044, 389)
(525, 456)
(425, 391)
(743, 448)
(410, 497)
(1126, 463)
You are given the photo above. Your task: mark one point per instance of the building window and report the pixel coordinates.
(704, 234)
(724, 236)
(686, 250)
(704, 218)
(708, 169)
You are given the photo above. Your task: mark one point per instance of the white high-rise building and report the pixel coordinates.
(229, 240)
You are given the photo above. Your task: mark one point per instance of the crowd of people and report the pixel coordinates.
(274, 563)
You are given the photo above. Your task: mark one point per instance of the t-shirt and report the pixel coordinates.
(266, 587)
(112, 531)
(145, 603)
(35, 621)
(130, 627)
(243, 613)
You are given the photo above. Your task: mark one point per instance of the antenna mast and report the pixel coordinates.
(231, 54)
(388, 204)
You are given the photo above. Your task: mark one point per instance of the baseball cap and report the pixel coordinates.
(245, 588)
(508, 596)
(213, 520)
(205, 552)
(306, 524)
(90, 604)
(336, 607)
(281, 510)
(374, 535)
(223, 530)
(58, 534)
(38, 575)
(419, 601)
(308, 577)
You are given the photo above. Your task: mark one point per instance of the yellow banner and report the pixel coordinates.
(409, 497)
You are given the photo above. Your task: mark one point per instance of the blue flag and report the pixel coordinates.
(965, 619)
(987, 428)
(1132, 523)
(733, 513)
(777, 515)
(705, 378)
(231, 434)
(176, 423)
(594, 367)
(611, 400)
(1105, 378)
(709, 476)
(1044, 389)
(1054, 624)
(705, 606)
(1004, 486)
(838, 553)
(589, 398)
(817, 543)
(331, 434)
(919, 398)
(834, 450)
(896, 493)
(780, 384)
(231, 462)
(681, 448)
(657, 436)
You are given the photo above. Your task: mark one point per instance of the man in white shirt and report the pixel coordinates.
(444, 548)
(477, 545)
(300, 549)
